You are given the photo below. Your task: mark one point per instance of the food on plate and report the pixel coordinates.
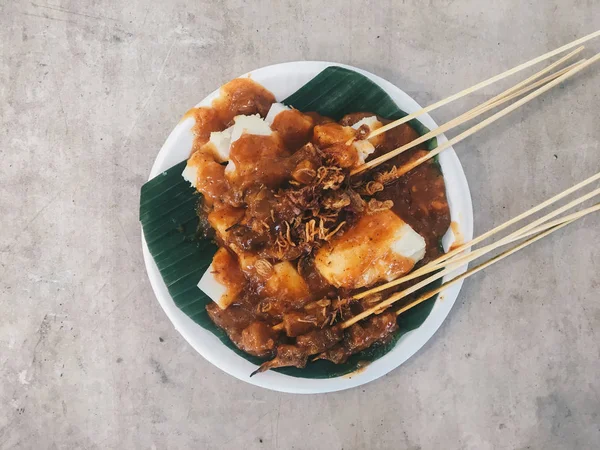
(297, 235)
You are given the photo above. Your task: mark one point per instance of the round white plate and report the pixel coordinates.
(283, 80)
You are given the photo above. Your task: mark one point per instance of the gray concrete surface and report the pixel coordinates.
(89, 91)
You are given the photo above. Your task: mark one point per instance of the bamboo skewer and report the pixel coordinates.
(518, 235)
(482, 266)
(518, 87)
(523, 233)
(428, 268)
(500, 99)
(476, 254)
(535, 76)
(485, 83)
(400, 295)
(408, 167)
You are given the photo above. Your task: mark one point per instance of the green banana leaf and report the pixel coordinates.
(169, 221)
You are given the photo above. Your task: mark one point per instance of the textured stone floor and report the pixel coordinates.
(89, 90)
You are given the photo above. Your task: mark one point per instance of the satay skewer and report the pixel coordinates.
(411, 165)
(485, 83)
(451, 267)
(442, 260)
(533, 235)
(506, 96)
(572, 71)
(535, 76)
(476, 254)
(538, 226)
(486, 264)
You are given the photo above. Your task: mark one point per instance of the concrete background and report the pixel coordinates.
(89, 90)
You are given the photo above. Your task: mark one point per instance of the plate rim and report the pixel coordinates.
(284, 383)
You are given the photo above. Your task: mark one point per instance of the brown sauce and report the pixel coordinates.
(242, 96)
(289, 195)
(420, 199)
(210, 177)
(207, 121)
(294, 127)
(459, 239)
(259, 160)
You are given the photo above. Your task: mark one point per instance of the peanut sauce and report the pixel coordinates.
(288, 194)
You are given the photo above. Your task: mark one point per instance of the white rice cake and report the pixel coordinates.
(249, 125)
(223, 280)
(220, 144)
(363, 149)
(223, 219)
(190, 173)
(286, 283)
(380, 247)
(373, 123)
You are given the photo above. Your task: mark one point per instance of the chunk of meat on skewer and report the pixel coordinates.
(294, 127)
(316, 341)
(361, 336)
(314, 315)
(258, 339)
(337, 355)
(287, 356)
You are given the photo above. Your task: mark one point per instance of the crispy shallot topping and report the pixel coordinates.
(375, 205)
(388, 176)
(263, 267)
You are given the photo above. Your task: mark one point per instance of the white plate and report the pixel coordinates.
(283, 80)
